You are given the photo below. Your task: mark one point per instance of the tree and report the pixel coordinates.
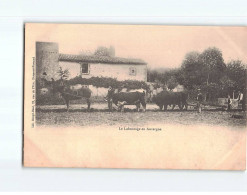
(63, 74)
(213, 64)
(165, 77)
(151, 75)
(236, 72)
(102, 51)
(192, 70)
(206, 70)
(206, 67)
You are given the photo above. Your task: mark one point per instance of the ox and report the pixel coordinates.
(126, 98)
(165, 98)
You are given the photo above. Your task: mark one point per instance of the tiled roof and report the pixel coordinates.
(100, 59)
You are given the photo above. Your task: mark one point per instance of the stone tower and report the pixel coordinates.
(47, 62)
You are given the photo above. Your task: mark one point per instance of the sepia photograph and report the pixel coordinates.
(135, 96)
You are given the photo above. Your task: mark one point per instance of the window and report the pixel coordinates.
(132, 71)
(85, 68)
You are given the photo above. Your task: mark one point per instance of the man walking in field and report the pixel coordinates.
(199, 99)
(109, 97)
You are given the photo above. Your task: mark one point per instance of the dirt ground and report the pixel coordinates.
(212, 139)
(57, 115)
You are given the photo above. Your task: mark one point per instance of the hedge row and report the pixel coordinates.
(106, 82)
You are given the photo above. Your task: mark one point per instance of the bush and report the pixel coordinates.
(49, 99)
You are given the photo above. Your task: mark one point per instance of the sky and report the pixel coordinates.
(160, 46)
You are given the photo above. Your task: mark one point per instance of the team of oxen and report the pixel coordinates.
(163, 99)
(120, 99)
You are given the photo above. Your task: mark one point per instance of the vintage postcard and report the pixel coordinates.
(135, 96)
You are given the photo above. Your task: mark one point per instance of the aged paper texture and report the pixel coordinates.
(135, 96)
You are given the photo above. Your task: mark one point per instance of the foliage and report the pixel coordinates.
(213, 64)
(49, 99)
(206, 67)
(206, 70)
(236, 75)
(102, 51)
(169, 78)
(63, 74)
(106, 82)
(192, 70)
(172, 83)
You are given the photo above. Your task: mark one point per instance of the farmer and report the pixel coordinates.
(199, 99)
(240, 97)
(229, 102)
(109, 97)
(244, 101)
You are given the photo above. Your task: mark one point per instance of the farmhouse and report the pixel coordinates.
(48, 61)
